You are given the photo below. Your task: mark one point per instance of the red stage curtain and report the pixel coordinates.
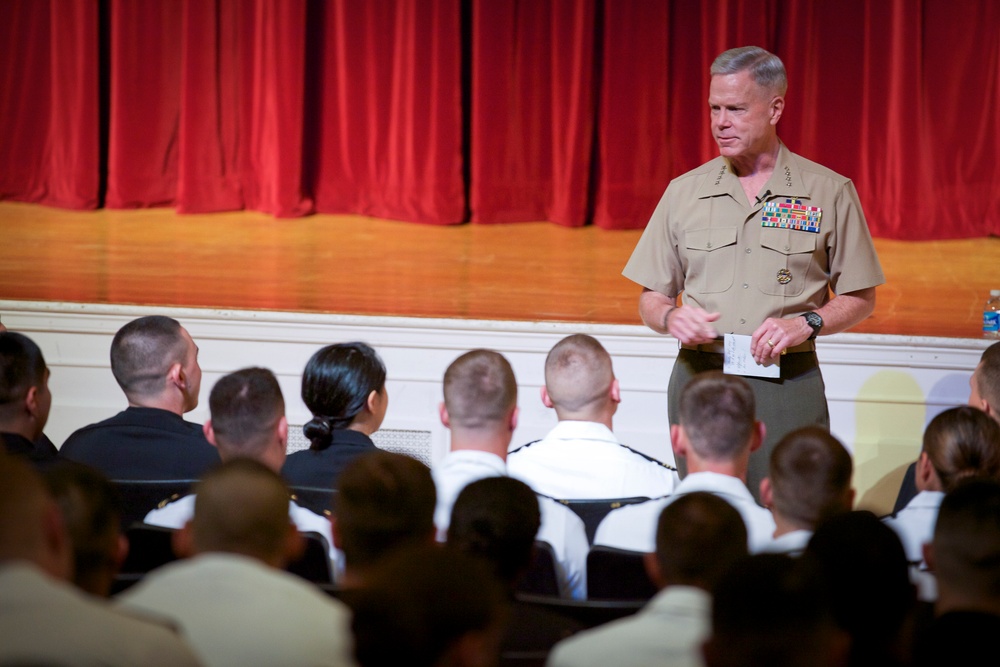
(443, 111)
(49, 96)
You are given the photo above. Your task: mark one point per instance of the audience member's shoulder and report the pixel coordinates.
(632, 527)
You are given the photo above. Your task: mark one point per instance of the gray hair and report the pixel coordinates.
(766, 68)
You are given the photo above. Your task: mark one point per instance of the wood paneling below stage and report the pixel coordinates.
(357, 265)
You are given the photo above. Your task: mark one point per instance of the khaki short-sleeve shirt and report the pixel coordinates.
(777, 257)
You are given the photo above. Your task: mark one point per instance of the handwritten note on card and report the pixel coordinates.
(738, 360)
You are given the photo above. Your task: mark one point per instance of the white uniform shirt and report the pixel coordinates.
(669, 630)
(561, 527)
(633, 527)
(792, 543)
(584, 460)
(236, 611)
(180, 511)
(915, 523)
(49, 622)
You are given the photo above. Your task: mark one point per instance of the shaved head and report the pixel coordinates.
(241, 507)
(578, 374)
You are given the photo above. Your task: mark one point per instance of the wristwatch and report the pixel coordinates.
(814, 321)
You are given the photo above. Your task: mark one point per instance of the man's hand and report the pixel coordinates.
(775, 336)
(839, 313)
(688, 324)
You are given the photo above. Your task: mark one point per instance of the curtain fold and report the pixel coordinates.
(50, 137)
(446, 111)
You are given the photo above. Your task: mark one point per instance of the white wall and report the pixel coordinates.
(882, 390)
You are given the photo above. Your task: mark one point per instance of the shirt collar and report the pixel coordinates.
(581, 430)
(786, 181)
(714, 482)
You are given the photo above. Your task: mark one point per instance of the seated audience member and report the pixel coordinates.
(965, 555)
(47, 621)
(480, 410)
(91, 510)
(344, 387)
(155, 363)
(385, 502)
(865, 569)
(771, 610)
(984, 385)
(698, 538)
(25, 399)
(232, 599)
(958, 443)
(248, 421)
(717, 432)
(984, 394)
(581, 458)
(428, 606)
(809, 481)
(497, 518)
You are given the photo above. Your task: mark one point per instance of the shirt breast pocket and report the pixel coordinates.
(788, 255)
(711, 255)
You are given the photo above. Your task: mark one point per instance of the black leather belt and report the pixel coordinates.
(719, 347)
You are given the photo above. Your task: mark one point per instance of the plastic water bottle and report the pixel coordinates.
(991, 315)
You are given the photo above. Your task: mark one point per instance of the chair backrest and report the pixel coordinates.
(538, 622)
(149, 547)
(141, 495)
(314, 565)
(152, 546)
(541, 577)
(592, 511)
(617, 574)
(315, 498)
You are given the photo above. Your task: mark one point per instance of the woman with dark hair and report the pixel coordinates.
(344, 387)
(959, 444)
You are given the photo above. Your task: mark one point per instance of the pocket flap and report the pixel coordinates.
(709, 238)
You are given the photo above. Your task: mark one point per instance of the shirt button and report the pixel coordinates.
(745, 286)
(748, 251)
(742, 321)
(708, 245)
(787, 248)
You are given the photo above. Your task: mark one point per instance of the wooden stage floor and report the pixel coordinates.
(357, 265)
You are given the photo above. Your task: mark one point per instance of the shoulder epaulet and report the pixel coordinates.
(649, 458)
(514, 451)
(166, 501)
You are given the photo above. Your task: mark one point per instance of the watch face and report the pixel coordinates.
(814, 320)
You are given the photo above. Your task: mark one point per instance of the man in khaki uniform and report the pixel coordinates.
(756, 239)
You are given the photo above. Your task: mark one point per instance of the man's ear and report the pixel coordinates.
(283, 430)
(546, 399)
(850, 496)
(183, 541)
(338, 542)
(777, 107)
(678, 440)
(928, 549)
(766, 493)
(121, 552)
(443, 412)
(616, 391)
(295, 544)
(209, 432)
(653, 571)
(31, 401)
(513, 418)
(759, 433)
(177, 377)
